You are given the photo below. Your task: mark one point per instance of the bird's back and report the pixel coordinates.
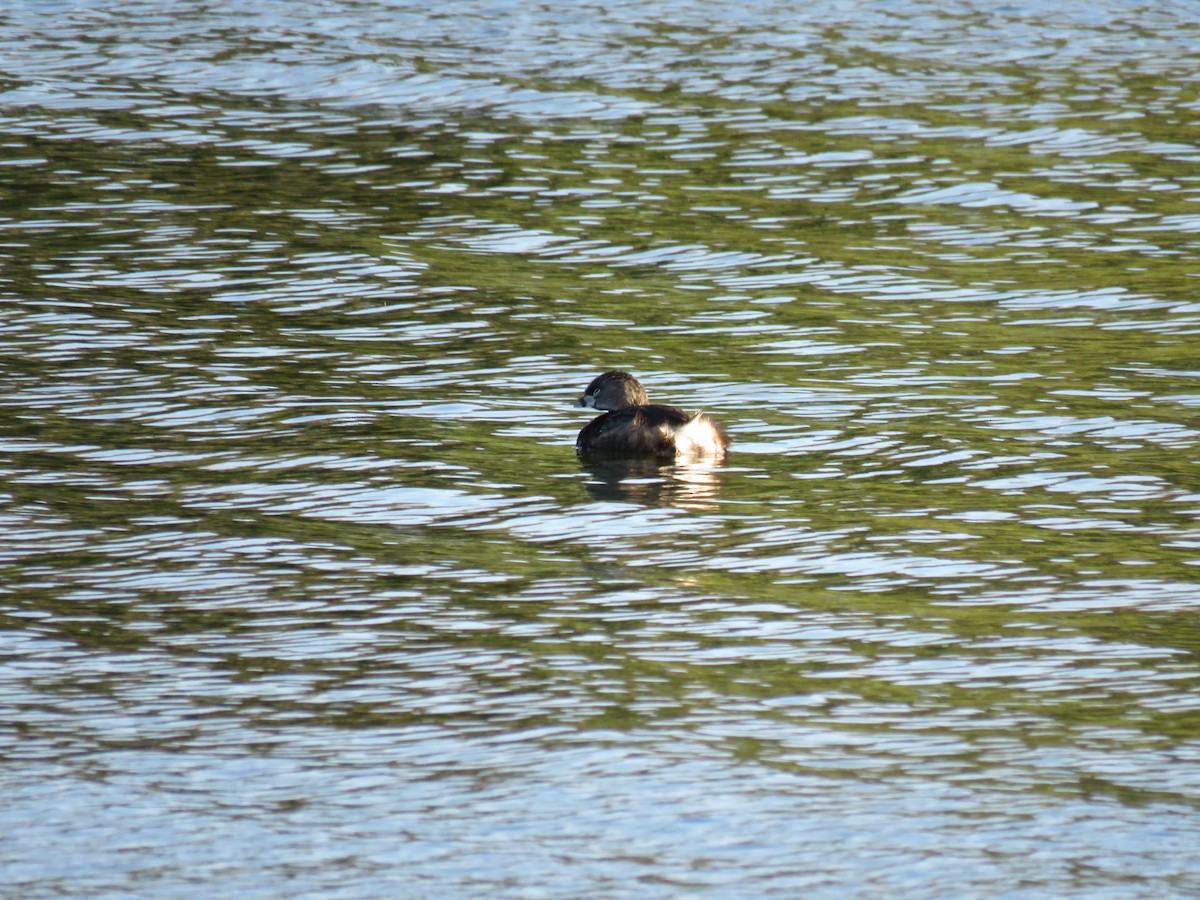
(635, 430)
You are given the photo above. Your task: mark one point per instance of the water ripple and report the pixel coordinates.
(297, 551)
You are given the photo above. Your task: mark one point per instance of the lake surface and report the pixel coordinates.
(304, 591)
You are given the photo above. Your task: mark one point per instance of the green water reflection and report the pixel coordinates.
(288, 446)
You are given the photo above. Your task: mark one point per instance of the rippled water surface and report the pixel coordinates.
(305, 592)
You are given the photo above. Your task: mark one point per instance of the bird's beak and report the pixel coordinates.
(587, 400)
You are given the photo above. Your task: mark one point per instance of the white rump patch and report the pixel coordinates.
(698, 437)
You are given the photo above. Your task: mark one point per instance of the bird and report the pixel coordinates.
(633, 426)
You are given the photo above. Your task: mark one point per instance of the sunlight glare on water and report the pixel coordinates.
(305, 585)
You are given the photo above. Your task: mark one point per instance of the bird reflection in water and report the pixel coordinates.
(690, 484)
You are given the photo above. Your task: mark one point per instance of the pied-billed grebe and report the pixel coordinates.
(633, 426)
